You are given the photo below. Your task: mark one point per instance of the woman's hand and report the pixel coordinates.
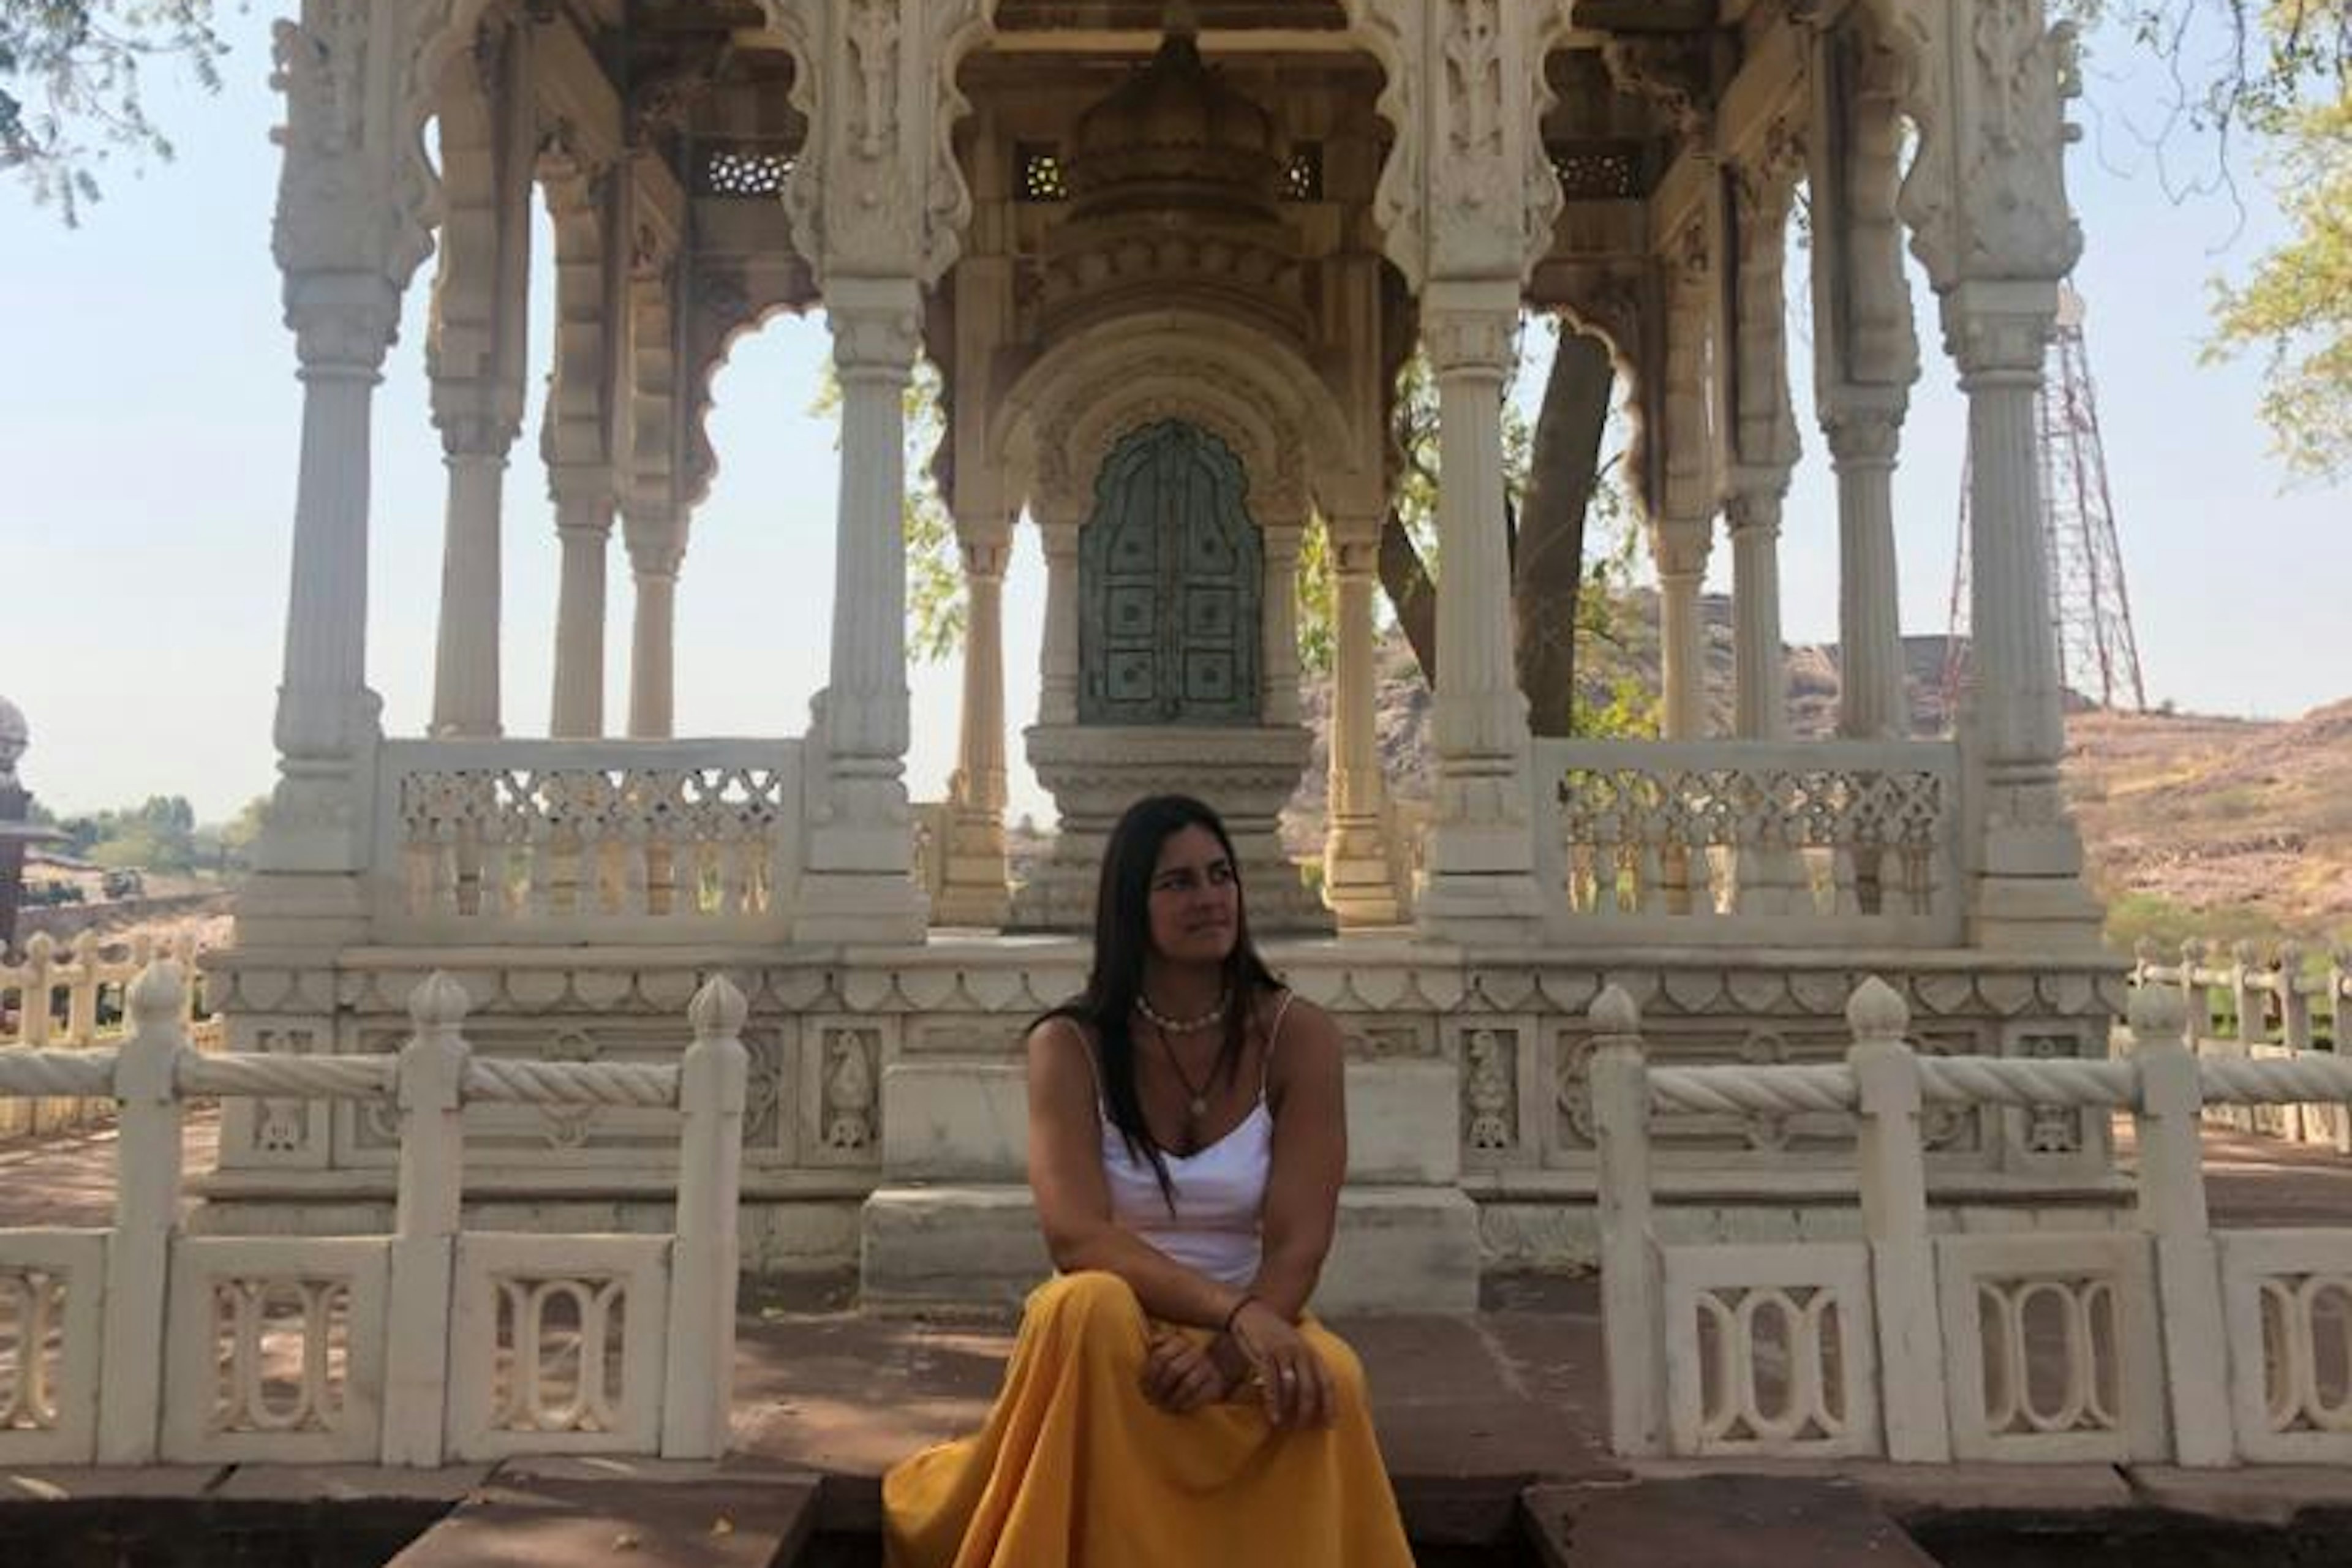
(1180, 1374)
(1296, 1384)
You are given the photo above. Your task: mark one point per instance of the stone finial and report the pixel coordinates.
(718, 1010)
(439, 1003)
(1876, 1010)
(1614, 1012)
(156, 995)
(14, 737)
(2155, 1013)
(2289, 959)
(40, 949)
(2144, 950)
(2243, 951)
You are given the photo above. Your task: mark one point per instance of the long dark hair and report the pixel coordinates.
(1122, 942)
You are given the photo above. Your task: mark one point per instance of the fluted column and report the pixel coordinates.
(1871, 702)
(2030, 861)
(1680, 551)
(653, 560)
(1865, 355)
(1279, 655)
(1058, 654)
(466, 665)
(861, 853)
(305, 887)
(1761, 669)
(1360, 880)
(1481, 881)
(976, 891)
(584, 528)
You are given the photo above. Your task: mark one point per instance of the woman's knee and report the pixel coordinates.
(1090, 1304)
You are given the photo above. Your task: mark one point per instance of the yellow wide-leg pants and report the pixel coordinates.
(1076, 1469)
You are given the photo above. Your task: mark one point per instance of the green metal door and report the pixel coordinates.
(1171, 571)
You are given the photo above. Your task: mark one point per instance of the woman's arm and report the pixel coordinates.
(1311, 1159)
(1065, 1178)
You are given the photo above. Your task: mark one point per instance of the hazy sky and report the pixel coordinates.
(149, 420)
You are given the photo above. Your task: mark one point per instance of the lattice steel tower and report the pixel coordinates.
(2090, 611)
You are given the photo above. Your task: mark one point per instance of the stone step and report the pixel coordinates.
(643, 1513)
(1777, 1518)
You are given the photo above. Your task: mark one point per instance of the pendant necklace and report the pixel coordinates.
(1196, 1099)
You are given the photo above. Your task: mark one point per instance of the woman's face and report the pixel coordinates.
(1196, 898)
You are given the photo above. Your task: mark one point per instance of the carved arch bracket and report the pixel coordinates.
(877, 190)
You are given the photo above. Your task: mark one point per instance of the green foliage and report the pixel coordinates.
(936, 605)
(70, 88)
(2296, 304)
(2135, 917)
(159, 834)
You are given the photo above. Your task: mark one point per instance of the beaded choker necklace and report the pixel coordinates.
(1167, 1026)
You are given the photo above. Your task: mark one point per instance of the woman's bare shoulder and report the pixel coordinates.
(1058, 1044)
(1300, 1035)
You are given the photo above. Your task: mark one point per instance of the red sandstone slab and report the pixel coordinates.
(1779, 1519)
(560, 1524)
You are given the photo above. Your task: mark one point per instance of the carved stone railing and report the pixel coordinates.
(74, 997)
(1734, 842)
(2161, 1342)
(2259, 1006)
(138, 1343)
(563, 841)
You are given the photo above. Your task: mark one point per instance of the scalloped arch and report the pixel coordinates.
(1066, 410)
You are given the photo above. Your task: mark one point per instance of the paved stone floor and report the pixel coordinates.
(1473, 1411)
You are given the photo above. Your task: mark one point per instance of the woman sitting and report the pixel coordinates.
(1170, 1404)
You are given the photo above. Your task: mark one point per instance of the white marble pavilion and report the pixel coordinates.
(1168, 260)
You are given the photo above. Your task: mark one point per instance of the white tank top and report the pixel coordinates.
(1220, 1190)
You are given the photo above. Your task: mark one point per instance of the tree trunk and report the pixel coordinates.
(1404, 578)
(1547, 567)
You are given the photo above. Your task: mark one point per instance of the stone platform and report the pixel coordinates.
(1492, 1423)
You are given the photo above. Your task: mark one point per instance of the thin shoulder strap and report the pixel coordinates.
(1273, 1038)
(1086, 1054)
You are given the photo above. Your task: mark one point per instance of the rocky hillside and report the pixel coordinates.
(2223, 826)
(2204, 815)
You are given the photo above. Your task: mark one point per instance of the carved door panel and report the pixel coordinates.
(1170, 571)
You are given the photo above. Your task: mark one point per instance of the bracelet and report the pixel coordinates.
(1227, 1326)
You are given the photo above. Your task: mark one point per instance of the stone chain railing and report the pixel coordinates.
(71, 996)
(2158, 1340)
(142, 1343)
(2254, 1005)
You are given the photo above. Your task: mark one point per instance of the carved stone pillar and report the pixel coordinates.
(577, 435)
(1360, 880)
(1865, 358)
(1762, 434)
(1760, 674)
(861, 851)
(1872, 704)
(583, 529)
(475, 354)
(1682, 533)
(2030, 861)
(1279, 655)
(306, 886)
(1680, 551)
(1057, 654)
(655, 555)
(976, 892)
(465, 663)
(1481, 881)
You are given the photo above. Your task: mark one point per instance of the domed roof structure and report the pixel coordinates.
(1175, 135)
